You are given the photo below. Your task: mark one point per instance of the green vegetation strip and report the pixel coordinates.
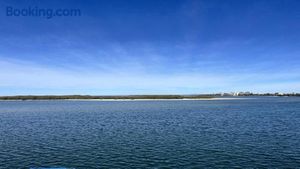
(54, 97)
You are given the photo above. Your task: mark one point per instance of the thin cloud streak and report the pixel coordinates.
(22, 75)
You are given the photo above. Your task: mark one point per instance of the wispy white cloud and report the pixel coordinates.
(17, 74)
(143, 68)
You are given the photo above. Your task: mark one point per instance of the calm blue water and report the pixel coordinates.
(248, 133)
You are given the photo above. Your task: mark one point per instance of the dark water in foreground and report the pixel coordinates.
(248, 133)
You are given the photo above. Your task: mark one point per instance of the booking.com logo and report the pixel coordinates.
(41, 12)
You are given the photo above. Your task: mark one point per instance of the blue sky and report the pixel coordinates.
(151, 47)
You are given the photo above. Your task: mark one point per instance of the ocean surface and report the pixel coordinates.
(245, 133)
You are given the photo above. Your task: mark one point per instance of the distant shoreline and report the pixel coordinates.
(99, 98)
(216, 98)
(126, 97)
(103, 100)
